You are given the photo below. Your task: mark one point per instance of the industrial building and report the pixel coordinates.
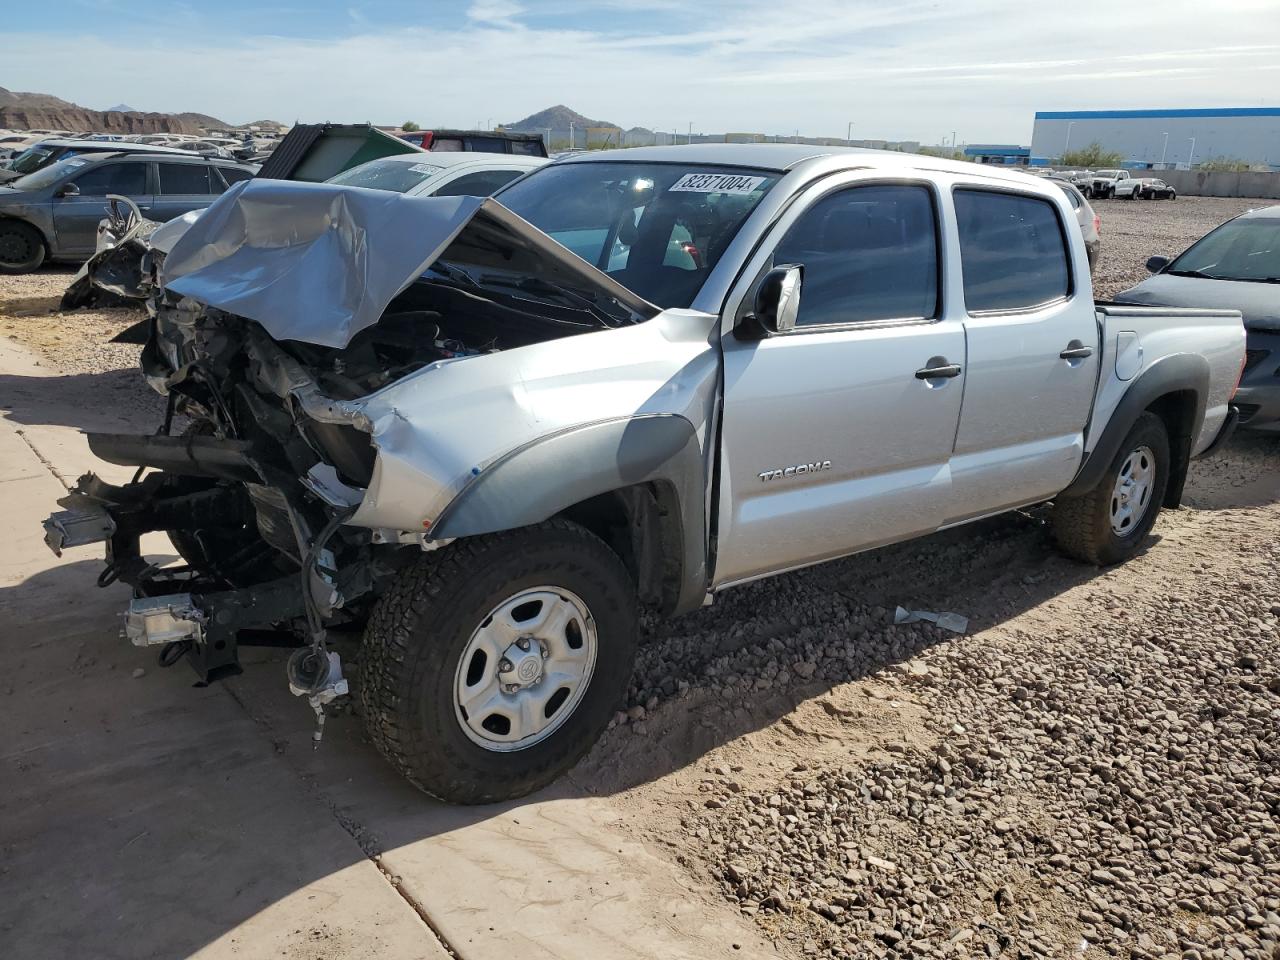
(1162, 139)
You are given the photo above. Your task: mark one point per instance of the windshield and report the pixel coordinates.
(49, 175)
(1109, 173)
(656, 228)
(1245, 249)
(31, 159)
(386, 174)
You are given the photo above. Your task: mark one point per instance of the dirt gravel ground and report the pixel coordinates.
(1092, 769)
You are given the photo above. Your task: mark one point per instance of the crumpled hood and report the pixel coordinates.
(319, 262)
(1259, 303)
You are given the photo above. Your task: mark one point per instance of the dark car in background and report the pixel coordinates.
(48, 152)
(53, 214)
(478, 141)
(1236, 266)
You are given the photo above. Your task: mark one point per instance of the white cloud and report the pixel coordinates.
(898, 70)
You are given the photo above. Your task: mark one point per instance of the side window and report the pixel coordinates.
(232, 176)
(185, 178)
(1013, 251)
(128, 179)
(480, 184)
(869, 253)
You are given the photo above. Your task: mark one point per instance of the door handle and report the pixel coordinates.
(943, 371)
(1076, 351)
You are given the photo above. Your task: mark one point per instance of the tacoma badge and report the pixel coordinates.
(796, 471)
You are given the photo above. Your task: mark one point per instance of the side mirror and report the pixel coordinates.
(777, 304)
(1156, 264)
(68, 190)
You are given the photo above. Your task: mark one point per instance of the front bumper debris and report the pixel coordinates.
(153, 621)
(75, 528)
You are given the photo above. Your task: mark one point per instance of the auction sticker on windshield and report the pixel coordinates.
(715, 183)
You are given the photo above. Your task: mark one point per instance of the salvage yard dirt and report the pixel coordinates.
(1092, 769)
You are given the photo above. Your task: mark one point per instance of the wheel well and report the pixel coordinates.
(7, 218)
(1178, 411)
(641, 524)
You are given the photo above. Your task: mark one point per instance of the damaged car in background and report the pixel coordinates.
(484, 434)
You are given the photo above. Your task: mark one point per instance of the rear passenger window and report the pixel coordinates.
(185, 178)
(1013, 251)
(869, 253)
(234, 175)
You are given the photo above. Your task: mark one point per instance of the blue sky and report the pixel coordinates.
(899, 69)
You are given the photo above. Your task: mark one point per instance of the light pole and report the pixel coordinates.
(1164, 149)
(690, 140)
(848, 134)
(572, 142)
(1192, 158)
(1067, 146)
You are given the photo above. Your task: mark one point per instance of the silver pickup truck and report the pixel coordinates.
(484, 433)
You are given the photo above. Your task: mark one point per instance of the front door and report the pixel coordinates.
(1033, 345)
(836, 437)
(76, 218)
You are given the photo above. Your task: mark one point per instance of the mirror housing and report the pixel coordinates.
(1156, 264)
(68, 190)
(777, 304)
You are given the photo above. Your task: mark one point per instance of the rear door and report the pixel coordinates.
(76, 218)
(183, 187)
(835, 438)
(1033, 349)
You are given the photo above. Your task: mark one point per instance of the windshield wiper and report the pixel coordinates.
(1192, 273)
(541, 285)
(456, 274)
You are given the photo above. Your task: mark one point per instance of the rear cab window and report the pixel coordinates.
(1013, 250)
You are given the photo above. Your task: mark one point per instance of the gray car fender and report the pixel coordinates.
(545, 477)
(1176, 373)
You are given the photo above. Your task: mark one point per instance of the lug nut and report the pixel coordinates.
(523, 643)
(510, 687)
(545, 653)
(504, 665)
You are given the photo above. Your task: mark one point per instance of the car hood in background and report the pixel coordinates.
(318, 262)
(1258, 302)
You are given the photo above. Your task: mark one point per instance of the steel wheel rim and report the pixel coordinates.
(1131, 495)
(525, 669)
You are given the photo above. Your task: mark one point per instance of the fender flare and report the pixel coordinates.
(1176, 373)
(545, 477)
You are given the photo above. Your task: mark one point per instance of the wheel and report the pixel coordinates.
(1171, 195)
(1109, 523)
(491, 666)
(1111, 193)
(1135, 194)
(21, 247)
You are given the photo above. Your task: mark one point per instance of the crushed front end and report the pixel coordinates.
(274, 319)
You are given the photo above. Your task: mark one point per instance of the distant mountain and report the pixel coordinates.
(557, 118)
(121, 108)
(43, 111)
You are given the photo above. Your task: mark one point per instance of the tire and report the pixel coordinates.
(412, 673)
(22, 248)
(1083, 526)
(1111, 193)
(1135, 194)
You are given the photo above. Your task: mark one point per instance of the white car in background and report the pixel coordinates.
(440, 174)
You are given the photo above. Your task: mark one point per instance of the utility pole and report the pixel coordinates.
(1067, 146)
(548, 139)
(848, 134)
(572, 142)
(690, 131)
(953, 141)
(1164, 149)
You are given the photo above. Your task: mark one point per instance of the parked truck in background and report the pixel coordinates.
(486, 432)
(1107, 184)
